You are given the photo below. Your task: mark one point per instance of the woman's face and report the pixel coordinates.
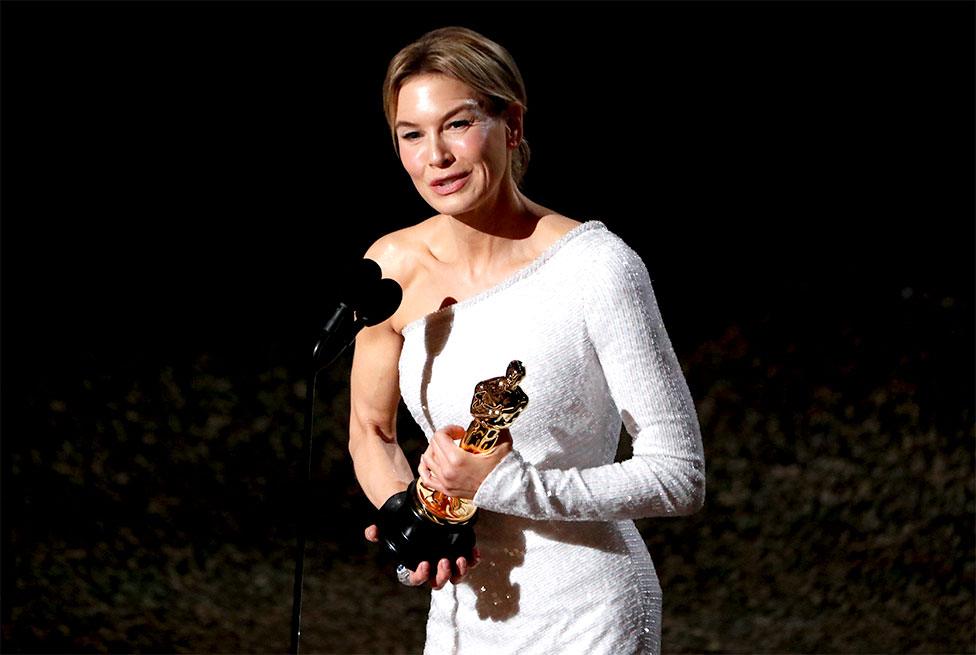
(455, 153)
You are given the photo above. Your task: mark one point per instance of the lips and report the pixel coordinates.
(448, 185)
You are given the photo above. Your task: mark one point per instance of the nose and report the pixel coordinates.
(439, 154)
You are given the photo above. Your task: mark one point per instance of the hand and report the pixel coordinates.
(446, 468)
(443, 572)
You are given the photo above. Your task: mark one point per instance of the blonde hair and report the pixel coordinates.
(467, 56)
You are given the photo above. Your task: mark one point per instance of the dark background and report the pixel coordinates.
(184, 183)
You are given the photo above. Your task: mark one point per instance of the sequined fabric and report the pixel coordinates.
(564, 569)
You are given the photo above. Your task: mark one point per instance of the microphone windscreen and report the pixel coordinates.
(369, 270)
(363, 276)
(380, 303)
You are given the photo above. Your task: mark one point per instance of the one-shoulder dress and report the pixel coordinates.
(564, 569)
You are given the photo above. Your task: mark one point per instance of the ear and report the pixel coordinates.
(514, 117)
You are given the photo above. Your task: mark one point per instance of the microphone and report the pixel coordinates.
(367, 300)
(380, 303)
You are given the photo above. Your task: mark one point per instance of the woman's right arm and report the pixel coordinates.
(380, 465)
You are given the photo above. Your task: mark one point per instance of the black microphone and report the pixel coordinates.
(367, 299)
(379, 303)
(359, 279)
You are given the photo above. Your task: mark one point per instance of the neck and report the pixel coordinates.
(504, 214)
(494, 230)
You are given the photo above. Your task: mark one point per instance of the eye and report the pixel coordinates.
(459, 124)
(410, 136)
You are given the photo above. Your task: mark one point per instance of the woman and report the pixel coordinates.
(495, 277)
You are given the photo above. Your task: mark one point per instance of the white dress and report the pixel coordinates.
(564, 569)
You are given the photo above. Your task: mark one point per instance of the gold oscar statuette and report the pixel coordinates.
(421, 524)
(497, 402)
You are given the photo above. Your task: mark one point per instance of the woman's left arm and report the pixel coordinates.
(666, 474)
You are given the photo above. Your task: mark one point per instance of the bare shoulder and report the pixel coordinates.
(553, 227)
(404, 255)
(400, 252)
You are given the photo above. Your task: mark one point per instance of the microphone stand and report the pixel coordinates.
(380, 299)
(333, 325)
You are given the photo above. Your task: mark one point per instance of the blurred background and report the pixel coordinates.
(184, 183)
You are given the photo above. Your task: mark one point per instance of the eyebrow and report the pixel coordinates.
(467, 104)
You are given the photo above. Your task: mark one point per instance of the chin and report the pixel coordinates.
(453, 205)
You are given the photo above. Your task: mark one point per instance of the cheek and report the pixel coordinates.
(473, 144)
(413, 161)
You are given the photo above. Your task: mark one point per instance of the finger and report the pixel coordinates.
(443, 574)
(454, 432)
(462, 570)
(504, 436)
(444, 571)
(451, 431)
(429, 465)
(444, 438)
(372, 534)
(445, 456)
(420, 575)
(439, 445)
(428, 476)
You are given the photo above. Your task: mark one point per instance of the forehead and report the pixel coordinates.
(431, 94)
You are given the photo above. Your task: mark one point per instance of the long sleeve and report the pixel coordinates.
(666, 474)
